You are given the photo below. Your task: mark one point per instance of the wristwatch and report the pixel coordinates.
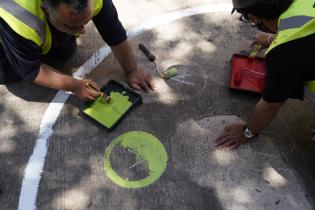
(248, 133)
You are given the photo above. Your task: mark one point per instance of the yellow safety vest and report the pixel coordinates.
(296, 22)
(27, 19)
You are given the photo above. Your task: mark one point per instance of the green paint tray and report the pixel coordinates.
(109, 115)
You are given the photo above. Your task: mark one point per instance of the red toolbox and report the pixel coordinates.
(247, 74)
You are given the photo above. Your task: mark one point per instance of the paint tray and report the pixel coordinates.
(109, 115)
(247, 74)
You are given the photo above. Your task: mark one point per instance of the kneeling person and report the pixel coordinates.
(35, 29)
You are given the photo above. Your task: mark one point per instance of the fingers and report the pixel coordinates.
(144, 86)
(227, 128)
(222, 139)
(140, 80)
(86, 92)
(147, 84)
(232, 137)
(261, 39)
(93, 93)
(94, 84)
(90, 93)
(232, 146)
(150, 82)
(135, 86)
(227, 144)
(89, 98)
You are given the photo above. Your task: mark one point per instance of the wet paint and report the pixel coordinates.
(109, 113)
(147, 149)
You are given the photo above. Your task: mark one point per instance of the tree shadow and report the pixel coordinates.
(75, 159)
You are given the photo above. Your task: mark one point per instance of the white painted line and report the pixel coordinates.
(35, 164)
(34, 168)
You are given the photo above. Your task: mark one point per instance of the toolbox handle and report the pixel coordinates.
(147, 52)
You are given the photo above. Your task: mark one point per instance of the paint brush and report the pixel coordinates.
(253, 53)
(106, 98)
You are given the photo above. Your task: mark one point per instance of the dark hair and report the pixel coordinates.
(267, 9)
(76, 5)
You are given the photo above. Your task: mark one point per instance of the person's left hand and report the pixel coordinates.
(138, 80)
(231, 138)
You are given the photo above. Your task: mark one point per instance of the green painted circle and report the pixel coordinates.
(147, 148)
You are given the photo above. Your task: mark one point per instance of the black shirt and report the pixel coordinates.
(288, 67)
(20, 58)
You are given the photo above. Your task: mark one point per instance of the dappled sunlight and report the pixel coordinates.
(243, 178)
(6, 145)
(90, 190)
(223, 157)
(234, 198)
(196, 129)
(182, 50)
(207, 47)
(74, 198)
(74, 177)
(240, 195)
(187, 83)
(274, 178)
(8, 132)
(151, 9)
(163, 92)
(171, 33)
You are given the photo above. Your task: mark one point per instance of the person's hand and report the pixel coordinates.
(263, 39)
(138, 80)
(82, 91)
(231, 138)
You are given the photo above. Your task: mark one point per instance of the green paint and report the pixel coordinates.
(169, 73)
(108, 113)
(147, 149)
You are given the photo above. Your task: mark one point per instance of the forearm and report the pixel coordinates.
(52, 78)
(124, 54)
(262, 115)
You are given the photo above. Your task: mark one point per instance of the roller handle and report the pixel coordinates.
(147, 52)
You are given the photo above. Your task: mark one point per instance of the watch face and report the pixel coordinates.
(248, 133)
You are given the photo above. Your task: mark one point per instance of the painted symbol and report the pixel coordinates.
(135, 159)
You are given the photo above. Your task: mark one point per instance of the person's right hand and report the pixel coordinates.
(263, 39)
(82, 91)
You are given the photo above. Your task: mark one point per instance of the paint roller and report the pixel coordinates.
(166, 74)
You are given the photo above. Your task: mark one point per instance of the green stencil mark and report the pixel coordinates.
(147, 149)
(107, 114)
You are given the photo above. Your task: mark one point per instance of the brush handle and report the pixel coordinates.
(89, 85)
(147, 52)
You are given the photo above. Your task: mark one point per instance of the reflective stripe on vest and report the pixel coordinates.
(22, 21)
(28, 20)
(296, 22)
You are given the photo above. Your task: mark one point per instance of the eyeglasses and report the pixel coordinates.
(244, 18)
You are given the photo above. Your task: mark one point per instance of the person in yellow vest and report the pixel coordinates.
(32, 30)
(289, 27)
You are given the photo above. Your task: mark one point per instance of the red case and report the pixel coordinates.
(247, 74)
